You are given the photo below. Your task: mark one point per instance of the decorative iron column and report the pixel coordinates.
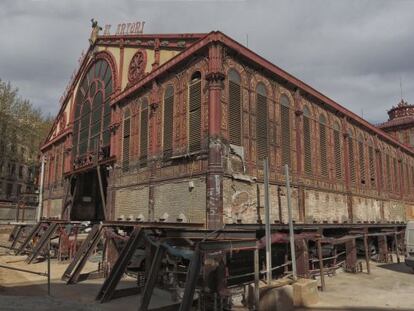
(215, 77)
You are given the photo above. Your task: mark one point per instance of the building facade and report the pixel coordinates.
(175, 128)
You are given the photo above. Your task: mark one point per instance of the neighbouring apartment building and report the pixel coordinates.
(175, 127)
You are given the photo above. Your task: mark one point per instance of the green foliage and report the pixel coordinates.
(22, 127)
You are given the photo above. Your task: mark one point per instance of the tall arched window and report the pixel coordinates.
(388, 168)
(261, 121)
(194, 129)
(143, 137)
(168, 121)
(371, 159)
(126, 134)
(351, 158)
(92, 111)
(396, 176)
(285, 129)
(322, 146)
(361, 154)
(337, 150)
(307, 143)
(234, 113)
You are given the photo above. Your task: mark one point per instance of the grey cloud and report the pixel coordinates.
(353, 51)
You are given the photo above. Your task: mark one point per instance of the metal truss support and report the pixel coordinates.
(108, 289)
(191, 281)
(351, 256)
(42, 242)
(35, 230)
(152, 278)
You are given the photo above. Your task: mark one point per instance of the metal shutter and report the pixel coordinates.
(144, 137)
(307, 144)
(195, 116)
(261, 126)
(234, 117)
(338, 155)
(285, 139)
(168, 125)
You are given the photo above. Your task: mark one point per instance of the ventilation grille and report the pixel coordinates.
(144, 138)
(125, 144)
(195, 116)
(338, 155)
(285, 139)
(307, 145)
(168, 125)
(261, 127)
(323, 150)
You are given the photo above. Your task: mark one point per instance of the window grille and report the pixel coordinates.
(168, 121)
(234, 113)
(195, 113)
(126, 140)
(144, 134)
(307, 143)
(337, 152)
(285, 131)
(322, 146)
(261, 122)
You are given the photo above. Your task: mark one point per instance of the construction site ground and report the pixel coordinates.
(388, 287)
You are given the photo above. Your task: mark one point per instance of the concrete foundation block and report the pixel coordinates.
(276, 299)
(305, 293)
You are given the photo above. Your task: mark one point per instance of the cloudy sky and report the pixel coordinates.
(353, 51)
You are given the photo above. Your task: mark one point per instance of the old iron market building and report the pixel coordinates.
(174, 128)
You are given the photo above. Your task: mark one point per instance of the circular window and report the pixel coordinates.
(137, 66)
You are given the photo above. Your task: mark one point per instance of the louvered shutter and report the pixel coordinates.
(261, 126)
(396, 180)
(195, 116)
(125, 143)
(388, 167)
(361, 162)
(351, 159)
(338, 155)
(307, 145)
(144, 137)
(285, 138)
(234, 117)
(323, 150)
(372, 166)
(168, 125)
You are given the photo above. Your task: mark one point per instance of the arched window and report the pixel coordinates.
(168, 121)
(307, 143)
(337, 151)
(92, 111)
(351, 158)
(261, 121)
(361, 159)
(371, 159)
(322, 146)
(194, 90)
(126, 134)
(396, 176)
(285, 129)
(234, 113)
(143, 139)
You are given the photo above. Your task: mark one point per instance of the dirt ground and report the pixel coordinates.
(388, 287)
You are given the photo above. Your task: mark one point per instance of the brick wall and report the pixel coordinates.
(131, 201)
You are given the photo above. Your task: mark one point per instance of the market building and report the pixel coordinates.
(175, 128)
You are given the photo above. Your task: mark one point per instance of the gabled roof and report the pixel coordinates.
(242, 51)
